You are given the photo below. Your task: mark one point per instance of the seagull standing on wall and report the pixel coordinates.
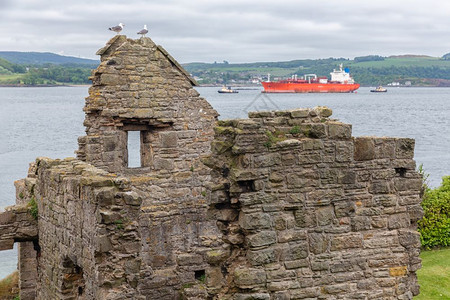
(117, 28)
(143, 31)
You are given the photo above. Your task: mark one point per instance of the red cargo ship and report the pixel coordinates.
(341, 82)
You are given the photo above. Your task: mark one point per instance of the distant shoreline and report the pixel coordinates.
(44, 85)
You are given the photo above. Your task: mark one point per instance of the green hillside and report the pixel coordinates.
(33, 68)
(418, 70)
(47, 74)
(42, 58)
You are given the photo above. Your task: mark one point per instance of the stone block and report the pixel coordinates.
(215, 257)
(281, 296)
(405, 148)
(380, 239)
(296, 264)
(261, 257)
(325, 215)
(344, 209)
(291, 235)
(360, 223)
(253, 221)
(169, 139)
(104, 244)
(339, 131)
(315, 131)
(7, 217)
(364, 148)
(305, 218)
(381, 187)
(263, 238)
(407, 184)
(295, 251)
(303, 179)
(214, 277)
(399, 221)
(253, 296)
(110, 79)
(415, 212)
(305, 293)
(385, 200)
(299, 113)
(163, 164)
(346, 241)
(318, 243)
(280, 285)
(337, 288)
(249, 277)
(398, 271)
(323, 111)
(6, 244)
(281, 274)
(187, 259)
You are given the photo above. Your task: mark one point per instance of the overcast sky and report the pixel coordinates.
(232, 30)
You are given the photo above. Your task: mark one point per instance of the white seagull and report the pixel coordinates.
(117, 28)
(143, 31)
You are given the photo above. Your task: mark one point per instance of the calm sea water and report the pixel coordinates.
(47, 121)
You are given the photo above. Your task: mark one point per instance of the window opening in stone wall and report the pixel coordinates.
(400, 171)
(246, 185)
(134, 149)
(200, 275)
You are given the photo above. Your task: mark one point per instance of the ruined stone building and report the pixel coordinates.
(282, 205)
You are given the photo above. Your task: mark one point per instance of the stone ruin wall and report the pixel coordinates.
(311, 212)
(283, 205)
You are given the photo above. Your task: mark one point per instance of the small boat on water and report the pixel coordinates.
(227, 90)
(379, 89)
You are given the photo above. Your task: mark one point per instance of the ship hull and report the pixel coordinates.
(294, 87)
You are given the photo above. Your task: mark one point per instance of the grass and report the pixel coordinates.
(434, 276)
(404, 62)
(9, 286)
(8, 77)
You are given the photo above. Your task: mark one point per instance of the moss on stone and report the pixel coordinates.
(33, 208)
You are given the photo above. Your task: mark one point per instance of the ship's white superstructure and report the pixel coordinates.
(341, 76)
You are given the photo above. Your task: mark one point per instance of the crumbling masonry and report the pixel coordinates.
(283, 205)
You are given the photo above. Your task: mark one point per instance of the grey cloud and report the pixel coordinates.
(205, 30)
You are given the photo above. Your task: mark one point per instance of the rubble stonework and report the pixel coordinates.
(311, 212)
(283, 205)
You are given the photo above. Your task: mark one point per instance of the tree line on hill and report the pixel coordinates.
(366, 70)
(43, 74)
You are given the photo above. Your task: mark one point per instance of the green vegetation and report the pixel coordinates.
(32, 68)
(202, 278)
(9, 286)
(41, 58)
(435, 225)
(372, 70)
(33, 208)
(44, 74)
(273, 138)
(119, 224)
(295, 130)
(434, 276)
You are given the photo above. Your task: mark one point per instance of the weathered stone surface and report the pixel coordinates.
(249, 277)
(364, 148)
(263, 238)
(284, 205)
